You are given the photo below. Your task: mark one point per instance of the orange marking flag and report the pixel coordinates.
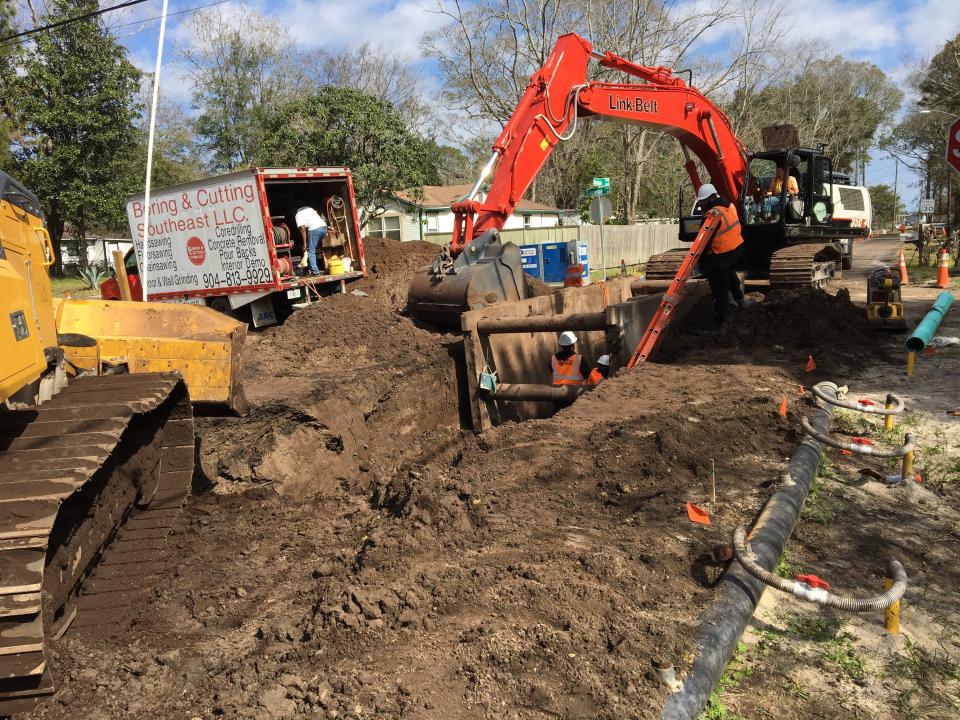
(697, 514)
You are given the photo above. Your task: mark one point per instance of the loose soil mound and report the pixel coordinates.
(787, 325)
(345, 385)
(537, 570)
(391, 265)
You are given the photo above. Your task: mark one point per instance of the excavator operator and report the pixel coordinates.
(718, 260)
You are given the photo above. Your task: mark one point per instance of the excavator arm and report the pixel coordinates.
(476, 269)
(559, 94)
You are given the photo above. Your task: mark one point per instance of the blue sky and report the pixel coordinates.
(894, 34)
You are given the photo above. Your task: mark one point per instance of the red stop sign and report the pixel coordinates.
(953, 145)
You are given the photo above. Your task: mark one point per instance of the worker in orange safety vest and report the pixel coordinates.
(721, 255)
(601, 372)
(567, 367)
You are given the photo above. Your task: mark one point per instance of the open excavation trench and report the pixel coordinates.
(363, 554)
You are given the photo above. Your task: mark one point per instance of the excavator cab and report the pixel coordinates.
(788, 187)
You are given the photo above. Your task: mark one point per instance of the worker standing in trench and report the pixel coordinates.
(601, 372)
(721, 255)
(567, 367)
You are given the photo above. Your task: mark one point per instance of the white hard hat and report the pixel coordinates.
(603, 360)
(705, 191)
(567, 338)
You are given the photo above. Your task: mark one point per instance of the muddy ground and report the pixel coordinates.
(354, 551)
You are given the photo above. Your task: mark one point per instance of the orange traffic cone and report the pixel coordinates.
(943, 275)
(811, 364)
(574, 277)
(904, 278)
(783, 407)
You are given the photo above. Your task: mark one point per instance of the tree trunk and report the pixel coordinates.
(55, 228)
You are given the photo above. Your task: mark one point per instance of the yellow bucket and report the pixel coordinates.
(335, 266)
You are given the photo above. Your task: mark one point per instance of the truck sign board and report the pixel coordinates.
(953, 145)
(204, 236)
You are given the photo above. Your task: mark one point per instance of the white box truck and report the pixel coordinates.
(231, 242)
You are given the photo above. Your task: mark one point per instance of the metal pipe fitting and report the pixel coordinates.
(820, 595)
(894, 400)
(543, 323)
(908, 446)
(738, 592)
(525, 391)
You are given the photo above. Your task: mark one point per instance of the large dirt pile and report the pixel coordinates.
(787, 326)
(391, 265)
(538, 570)
(344, 386)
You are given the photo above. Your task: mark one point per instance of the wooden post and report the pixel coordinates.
(122, 278)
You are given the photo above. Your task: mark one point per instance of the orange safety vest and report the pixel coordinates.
(567, 372)
(595, 377)
(728, 236)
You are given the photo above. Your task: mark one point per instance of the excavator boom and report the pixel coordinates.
(558, 95)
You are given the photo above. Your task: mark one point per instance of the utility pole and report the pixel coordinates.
(896, 169)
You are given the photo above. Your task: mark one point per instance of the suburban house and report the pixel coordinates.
(407, 219)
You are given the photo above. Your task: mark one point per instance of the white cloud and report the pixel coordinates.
(334, 23)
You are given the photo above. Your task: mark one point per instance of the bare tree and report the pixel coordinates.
(488, 52)
(239, 76)
(379, 72)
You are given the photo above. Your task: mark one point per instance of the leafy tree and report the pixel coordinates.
(242, 67)
(8, 58)
(835, 101)
(340, 126)
(77, 105)
(884, 212)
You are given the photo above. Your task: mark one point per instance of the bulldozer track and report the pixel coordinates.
(91, 483)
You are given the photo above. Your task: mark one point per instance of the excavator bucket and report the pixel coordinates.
(485, 272)
(203, 345)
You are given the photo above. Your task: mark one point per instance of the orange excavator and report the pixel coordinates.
(789, 232)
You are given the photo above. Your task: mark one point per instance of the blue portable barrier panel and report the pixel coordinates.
(554, 262)
(531, 260)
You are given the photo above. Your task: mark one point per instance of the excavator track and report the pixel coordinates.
(91, 483)
(665, 265)
(807, 265)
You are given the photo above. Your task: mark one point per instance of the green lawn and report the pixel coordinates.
(597, 276)
(920, 274)
(73, 285)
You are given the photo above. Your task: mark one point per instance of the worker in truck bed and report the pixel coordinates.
(567, 367)
(313, 228)
(720, 256)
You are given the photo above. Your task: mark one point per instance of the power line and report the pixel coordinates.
(69, 21)
(170, 15)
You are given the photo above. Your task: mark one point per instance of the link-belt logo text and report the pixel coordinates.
(634, 104)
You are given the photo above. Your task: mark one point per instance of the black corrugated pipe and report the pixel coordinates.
(722, 624)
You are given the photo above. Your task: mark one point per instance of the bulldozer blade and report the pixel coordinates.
(203, 345)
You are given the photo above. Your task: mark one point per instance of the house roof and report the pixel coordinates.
(440, 197)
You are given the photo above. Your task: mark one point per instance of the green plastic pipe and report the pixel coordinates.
(925, 329)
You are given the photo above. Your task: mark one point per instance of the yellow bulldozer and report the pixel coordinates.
(94, 467)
